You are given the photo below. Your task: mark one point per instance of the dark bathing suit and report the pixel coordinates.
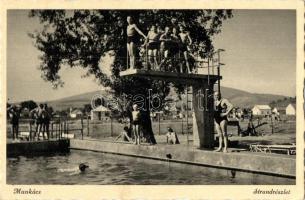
(183, 47)
(153, 45)
(175, 44)
(218, 110)
(131, 34)
(132, 38)
(136, 122)
(167, 42)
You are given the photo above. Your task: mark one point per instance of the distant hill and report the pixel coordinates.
(75, 101)
(237, 97)
(283, 102)
(246, 99)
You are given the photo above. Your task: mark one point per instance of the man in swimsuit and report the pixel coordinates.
(14, 113)
(185, 41)
(38, 112)
(132, 29)
(222, 108)
(160, 32)
(165, 45)
(46, 118)
(136, 123)
(152, 42)
(251, 129)
(176, 42)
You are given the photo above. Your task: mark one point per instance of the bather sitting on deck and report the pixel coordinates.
(124, 135)
(171, 137)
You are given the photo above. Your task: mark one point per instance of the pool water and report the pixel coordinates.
(115, 170)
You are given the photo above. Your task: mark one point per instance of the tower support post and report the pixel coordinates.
(203, 111)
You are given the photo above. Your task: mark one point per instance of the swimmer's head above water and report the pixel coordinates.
(82, 167)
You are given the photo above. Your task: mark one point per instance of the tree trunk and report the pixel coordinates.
(147, 127)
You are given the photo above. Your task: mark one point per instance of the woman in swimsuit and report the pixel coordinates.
(222, 108)
(131, 40)
(152, 42)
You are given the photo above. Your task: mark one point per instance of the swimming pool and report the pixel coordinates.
(118, 170)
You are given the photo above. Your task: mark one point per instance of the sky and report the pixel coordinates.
(259, 57)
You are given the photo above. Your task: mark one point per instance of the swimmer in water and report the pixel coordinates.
(81, 168)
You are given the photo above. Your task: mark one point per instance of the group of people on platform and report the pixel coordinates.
(162, 45)
(41, 115)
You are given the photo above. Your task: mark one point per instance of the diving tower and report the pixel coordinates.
(202, 86)
(202, 95)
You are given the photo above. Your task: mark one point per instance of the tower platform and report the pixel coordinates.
(169, 76)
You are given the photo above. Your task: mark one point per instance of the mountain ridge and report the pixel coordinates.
(238, 98)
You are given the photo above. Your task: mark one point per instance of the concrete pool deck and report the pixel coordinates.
(260, 163)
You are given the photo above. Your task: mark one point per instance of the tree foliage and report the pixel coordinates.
(82, 38)
(30, 104)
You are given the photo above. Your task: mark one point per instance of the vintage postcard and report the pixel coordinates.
(152, 100)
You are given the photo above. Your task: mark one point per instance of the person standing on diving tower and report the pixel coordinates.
(132, 29)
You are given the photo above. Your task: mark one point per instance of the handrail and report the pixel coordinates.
(209, 63)
(57, 126)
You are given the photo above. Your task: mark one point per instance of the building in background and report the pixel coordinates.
(291, 109)
(100, 113)
(279, 110)
(76, 113)
(261, 110)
